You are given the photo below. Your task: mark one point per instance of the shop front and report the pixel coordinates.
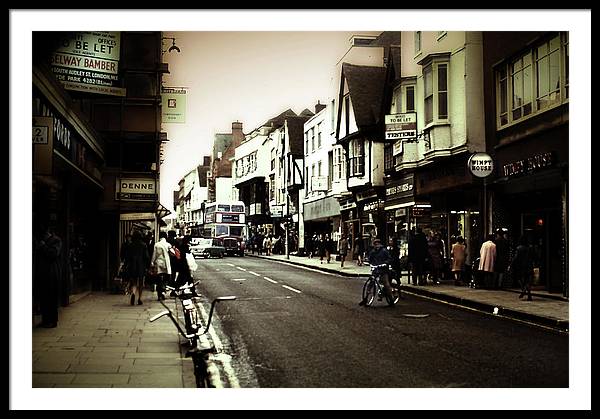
(399, 202)
(454, 197)
(322, 216)
(531, 200)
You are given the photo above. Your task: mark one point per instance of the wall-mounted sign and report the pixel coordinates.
(136, 189)
(320, 183)
(528, 165)
(88, 62)
(481, 164)
(174, 103)
(401, 126)
(43, 140)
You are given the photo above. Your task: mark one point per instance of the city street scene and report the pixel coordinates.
(225, 214)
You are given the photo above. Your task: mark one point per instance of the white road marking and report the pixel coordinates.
(253, 273)
(241, 269)
(270, 280)
(225, 361)
(238, 279)
(230, 264)
(292, 289)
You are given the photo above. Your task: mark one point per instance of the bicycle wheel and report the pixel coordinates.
(191, 324)
(393, 299)
(201, 371)
(369, 291)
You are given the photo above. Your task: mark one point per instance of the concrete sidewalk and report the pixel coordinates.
(102, 341)
(546, 310)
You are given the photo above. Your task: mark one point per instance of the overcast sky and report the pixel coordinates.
(245, 76)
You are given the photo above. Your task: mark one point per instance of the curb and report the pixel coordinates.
(556, 324)
(320, 268)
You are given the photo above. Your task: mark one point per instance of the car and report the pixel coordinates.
(234, 246)
(209, 247)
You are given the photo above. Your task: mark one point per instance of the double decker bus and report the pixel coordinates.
(227, 221)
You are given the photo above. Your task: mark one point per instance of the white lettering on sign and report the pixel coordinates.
(39, 135)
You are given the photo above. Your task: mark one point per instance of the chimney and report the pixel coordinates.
(236, 133)
(319, 107)
(207, 161)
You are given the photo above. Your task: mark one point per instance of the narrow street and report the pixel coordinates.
(296, 328)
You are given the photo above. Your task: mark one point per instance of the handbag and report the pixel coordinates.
(191, 261)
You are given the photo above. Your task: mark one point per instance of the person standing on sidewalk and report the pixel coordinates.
(342, 249)
(502, 257)
(161, 263)
(47, 271)
(138, 261)
(487, 261)
(458, 255)
(359, 250)
(418, 250)
(521, 267)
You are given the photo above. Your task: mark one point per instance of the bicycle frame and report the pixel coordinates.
(374, 288)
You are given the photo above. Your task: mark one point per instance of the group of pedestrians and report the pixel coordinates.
(166, 264)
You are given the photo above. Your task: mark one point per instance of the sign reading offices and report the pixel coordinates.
(88, 62)
(174, 104)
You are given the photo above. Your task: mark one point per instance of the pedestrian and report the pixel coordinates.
(173, 242)
(328, 247)
(359, 250)
(521, 267)
(502, 257)
(123, 254)
(458, 255)
(138, 261)
(418, 250)
(394, 251)
(47, 271)
(161, 264)
(184, 275)
(487, 261)
(268, 245)
(342, 249)
(435, 251)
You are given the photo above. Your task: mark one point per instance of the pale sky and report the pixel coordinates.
(244, 76)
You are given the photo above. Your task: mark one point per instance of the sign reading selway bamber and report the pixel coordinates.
(88, 62)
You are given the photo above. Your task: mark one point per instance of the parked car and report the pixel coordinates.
(234, 246)
(212, 247)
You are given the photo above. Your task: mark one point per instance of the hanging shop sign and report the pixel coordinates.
(346, 205)
(320, 183)
(174, 104)
(528, 165)
(373, 206)
(88, 62)
(136, 189)
(401, 126)
(481, 165)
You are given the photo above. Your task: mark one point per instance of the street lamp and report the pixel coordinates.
(173, 47)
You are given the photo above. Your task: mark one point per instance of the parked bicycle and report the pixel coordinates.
(374, 287)
(192, 328)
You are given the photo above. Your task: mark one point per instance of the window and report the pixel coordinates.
(548, 73)
(319, 135)
(388, 157)
(339, 165)
(329, 169)
(428, 93)
(271, 187)
(313, 174)
(410, 98)
(333, 116)
(532, 82)
(356, 156)
(435, 91)
(417, 42)
(566, 63)
(273, 159)
(312, 135)
(521, 87)
(319, 168)
(306, 143)
(306, 181)
(347, 115)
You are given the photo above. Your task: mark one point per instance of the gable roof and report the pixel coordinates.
(366, 88)
(295, 126)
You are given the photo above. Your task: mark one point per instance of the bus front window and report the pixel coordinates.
(222, 230)
(235, 231)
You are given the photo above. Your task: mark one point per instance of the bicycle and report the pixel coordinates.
(192, 329)
(373, 286)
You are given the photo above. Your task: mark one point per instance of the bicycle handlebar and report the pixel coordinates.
(182, 287)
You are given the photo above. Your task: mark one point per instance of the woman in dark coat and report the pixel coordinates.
(47, 272)
(521, 267)
(137, 262)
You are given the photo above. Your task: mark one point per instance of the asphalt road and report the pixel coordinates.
(297, 328)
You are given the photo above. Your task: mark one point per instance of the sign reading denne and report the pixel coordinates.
(134, 189)
(401, 126)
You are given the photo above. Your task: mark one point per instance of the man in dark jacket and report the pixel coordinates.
(379, 256)
(47, 271)
(418, 249)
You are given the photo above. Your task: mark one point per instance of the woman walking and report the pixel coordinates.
(458, 254)
(522, 268)
(137, 263)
